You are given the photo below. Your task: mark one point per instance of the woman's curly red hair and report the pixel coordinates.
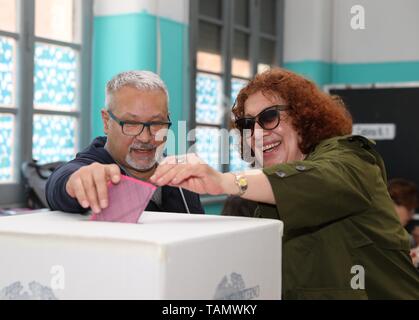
(315, 115)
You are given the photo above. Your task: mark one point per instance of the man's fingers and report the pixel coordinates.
(90, 189)
(79, 193)
(69, 188)
(101, 184)
(89, 185)
(113, 172)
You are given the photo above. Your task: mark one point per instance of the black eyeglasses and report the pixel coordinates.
(135, 128)
(268, 119)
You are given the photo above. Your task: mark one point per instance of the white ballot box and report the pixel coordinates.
(54, 255)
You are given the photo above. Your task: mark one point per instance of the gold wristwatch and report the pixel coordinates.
(241, 182)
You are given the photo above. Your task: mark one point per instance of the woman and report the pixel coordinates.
(342, 238)
(406, 199)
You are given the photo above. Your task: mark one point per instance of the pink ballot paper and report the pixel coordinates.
(127, 200)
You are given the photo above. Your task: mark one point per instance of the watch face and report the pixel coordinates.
(242, 182)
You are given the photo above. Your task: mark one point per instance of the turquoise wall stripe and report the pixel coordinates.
(121, 43)
(376, 72)
(318, 71)
(174, 66)
(356, 73)
(128, 42)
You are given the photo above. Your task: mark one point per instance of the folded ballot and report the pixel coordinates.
(127, 201)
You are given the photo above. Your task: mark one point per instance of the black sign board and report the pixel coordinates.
(390, 116)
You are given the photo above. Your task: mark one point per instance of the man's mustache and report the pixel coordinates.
(146, 146)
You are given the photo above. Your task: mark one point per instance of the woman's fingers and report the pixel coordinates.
(189, 158)
(186, 172)
(189, 172)
(161, 170)
(168, 160)
(196, 185)
(198, 178)
(165, 173)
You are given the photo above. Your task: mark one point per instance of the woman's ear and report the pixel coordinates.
(105, 120)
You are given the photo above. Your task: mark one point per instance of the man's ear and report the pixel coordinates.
(105, 120)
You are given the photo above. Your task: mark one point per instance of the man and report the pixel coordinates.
(135, 121)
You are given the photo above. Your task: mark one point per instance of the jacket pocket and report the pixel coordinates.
(355, 237)
(358, 239)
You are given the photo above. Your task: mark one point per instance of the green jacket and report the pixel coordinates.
(342, 237)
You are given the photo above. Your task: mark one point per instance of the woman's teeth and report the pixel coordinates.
(270, 147)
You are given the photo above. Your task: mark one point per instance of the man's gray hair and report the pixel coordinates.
(141, 80)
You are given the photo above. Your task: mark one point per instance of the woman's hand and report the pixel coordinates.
(189, 172)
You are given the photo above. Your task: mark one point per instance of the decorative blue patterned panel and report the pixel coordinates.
(7, 127)
(54, 138)
(55, 77)
(7, 62)
(207, 144)
(236, 163)
(209, 99)
(236, 86)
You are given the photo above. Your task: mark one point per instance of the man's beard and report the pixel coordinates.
(145, 165)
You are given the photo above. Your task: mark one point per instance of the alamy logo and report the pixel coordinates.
(358, 18)
(58, 277)
(16, 291)
(358, 280)
(235, 289)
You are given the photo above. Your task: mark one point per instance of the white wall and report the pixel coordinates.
(177, 10)
(391, 33)
(308, 32)
(320, 30)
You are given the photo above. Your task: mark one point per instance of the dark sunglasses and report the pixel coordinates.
(268, 119)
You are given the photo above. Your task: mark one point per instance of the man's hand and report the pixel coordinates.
(89, 185)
